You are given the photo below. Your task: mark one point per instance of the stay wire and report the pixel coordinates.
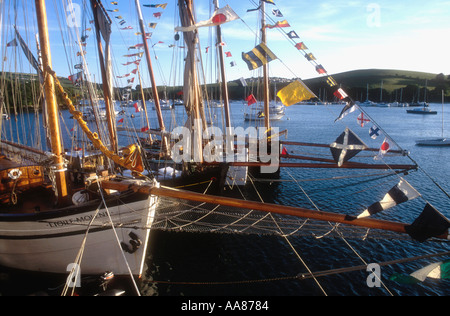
(292, 247)
(335, 227)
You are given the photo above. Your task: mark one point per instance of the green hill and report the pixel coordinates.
(395, 83)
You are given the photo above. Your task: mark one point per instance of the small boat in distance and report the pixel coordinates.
(433, 142)
(423, 110)
(436, 141)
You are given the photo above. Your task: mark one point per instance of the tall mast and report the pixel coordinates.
(164, 147)
(265, 68)
(52, 106)
(226, 102)
(144, 105)
(191, 89)
(106, 89)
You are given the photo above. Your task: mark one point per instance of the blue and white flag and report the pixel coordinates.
(374, 132)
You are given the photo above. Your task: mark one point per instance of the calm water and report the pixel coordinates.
(183, 259)
(209, 258)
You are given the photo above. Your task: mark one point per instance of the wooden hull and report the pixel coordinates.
(50, 241)
(17, 177)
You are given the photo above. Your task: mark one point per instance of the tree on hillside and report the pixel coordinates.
(440, 83)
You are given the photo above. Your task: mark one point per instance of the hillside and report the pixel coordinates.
(395, 84)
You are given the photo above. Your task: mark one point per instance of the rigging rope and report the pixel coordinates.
(117, 239)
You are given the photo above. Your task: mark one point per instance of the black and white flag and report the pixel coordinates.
(402, 192)
(346, 146)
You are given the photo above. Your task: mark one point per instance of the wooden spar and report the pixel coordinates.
(52, 106)
(164, 147)
(265, 69)
(265, 207)
(106, 89)
(346, 165)
(285, 142)
(226, 103)
(144, 105)
(349, 164)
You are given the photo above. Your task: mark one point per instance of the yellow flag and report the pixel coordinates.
(294, 93)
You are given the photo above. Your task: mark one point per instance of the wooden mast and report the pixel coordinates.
(226, 102)
(196, 119)
(52, 106)
(144, 105)
(164, 145)
(106, 91)
(265, 68)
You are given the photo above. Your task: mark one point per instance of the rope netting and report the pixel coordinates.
(181, 216)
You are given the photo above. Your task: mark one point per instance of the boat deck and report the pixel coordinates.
(18, 182)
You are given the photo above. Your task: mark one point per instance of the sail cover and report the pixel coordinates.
(221, 16)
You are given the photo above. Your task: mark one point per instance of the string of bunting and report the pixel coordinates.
(136, 56)
(350, 105)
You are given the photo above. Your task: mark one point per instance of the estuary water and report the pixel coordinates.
(208, 264)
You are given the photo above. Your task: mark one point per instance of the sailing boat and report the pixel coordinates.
(55, 215)
(424, 106)
(337, 156)
(267, 111)
(381, 103)
(418, 103)
(367, 102)
(436, 141)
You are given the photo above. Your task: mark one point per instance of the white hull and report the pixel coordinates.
(49, 242)
(433, 142)
(254, 117)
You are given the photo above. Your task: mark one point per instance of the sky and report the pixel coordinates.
(342, 35)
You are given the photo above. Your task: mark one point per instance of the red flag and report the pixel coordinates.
(284, 152)
(385, 146)
(120, 121)
(339, 93)
(301, 46)
(362, 120)
(228, 54)
(320, 69)
(144, 129)
(136, 107)
(251, 99)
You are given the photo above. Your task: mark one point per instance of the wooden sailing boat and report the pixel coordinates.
(148, 190)
(56, 216)
(316, 162)
(194, 171)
